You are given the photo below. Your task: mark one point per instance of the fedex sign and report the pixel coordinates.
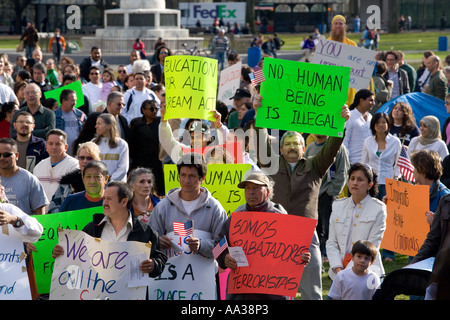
(207, 12)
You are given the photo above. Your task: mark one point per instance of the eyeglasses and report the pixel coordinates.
(122, 71)
(6, 154)
(88, 158)
(152, 109)
(94, 74)
(164, 52)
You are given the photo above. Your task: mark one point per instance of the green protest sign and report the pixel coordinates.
(42, 258)
(221, 180)
(303, 97)
(191, 87)
(75, 86)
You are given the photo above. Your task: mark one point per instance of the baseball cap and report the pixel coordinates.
(256, 178)
(241, 93)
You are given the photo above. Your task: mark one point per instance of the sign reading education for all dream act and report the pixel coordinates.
(361, 61)
(191, 87)
(303, 97)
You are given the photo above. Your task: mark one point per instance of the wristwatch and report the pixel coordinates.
(18, 223)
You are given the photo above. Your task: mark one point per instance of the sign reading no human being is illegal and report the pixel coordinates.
(191, 87)
(303, 97)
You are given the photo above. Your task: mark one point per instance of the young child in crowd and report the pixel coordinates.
(108, 83)
(357, 282)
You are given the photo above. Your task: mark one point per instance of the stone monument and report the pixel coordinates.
(144, 19)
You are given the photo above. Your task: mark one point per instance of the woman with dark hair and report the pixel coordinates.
(383, 88)
(144, 143)
(402, 123)
(381, 151)
(358, 217)
(157, 69)
(7, 111)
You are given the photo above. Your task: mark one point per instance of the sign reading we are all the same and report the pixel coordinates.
(303, 97)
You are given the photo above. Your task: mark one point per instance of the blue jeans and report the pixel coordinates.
(221, 57)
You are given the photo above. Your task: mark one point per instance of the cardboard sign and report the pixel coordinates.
(14, 284)
(406, 226)
(230, 79)
(361, 61)
(93, 269)
(273, 244)
(191, 87)
(303, 97)
(42, 258)
(187, 276)
(75, 86)
(221, 180)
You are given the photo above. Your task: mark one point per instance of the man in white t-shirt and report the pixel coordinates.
(135, 96)
(357, 129)
(49, 171)
(7, 94)
(93, 89)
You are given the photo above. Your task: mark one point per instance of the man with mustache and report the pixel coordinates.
(297, 184)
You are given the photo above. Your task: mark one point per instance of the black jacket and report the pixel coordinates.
(403, 82)
(141, 232)
(86, 64)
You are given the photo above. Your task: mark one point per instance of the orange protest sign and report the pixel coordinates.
(406, 226)
(273, 244)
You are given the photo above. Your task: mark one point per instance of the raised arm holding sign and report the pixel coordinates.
(303, 97)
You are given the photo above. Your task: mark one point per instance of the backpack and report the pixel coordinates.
(371, 35)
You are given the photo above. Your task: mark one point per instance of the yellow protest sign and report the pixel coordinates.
(191, 87)
(406, 226)
(221, 180)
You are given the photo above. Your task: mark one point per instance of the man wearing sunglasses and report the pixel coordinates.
(22, 188)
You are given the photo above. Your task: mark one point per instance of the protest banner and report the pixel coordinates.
(191, 87)
(75, 86)
(14, 283)
(406, 226)
(230, 79)
(221, 180)
(93, 269)
(42, 258)
(187, 275)
(273, 244)
(303, 97)
(361, 61)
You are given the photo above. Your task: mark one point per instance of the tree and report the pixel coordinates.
(19, 7)
(393, 17)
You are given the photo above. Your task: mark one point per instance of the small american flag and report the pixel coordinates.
(220, 247)
(183, 229)
(257, 77)
(405, 165)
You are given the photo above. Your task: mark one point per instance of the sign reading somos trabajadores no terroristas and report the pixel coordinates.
(303, 97)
